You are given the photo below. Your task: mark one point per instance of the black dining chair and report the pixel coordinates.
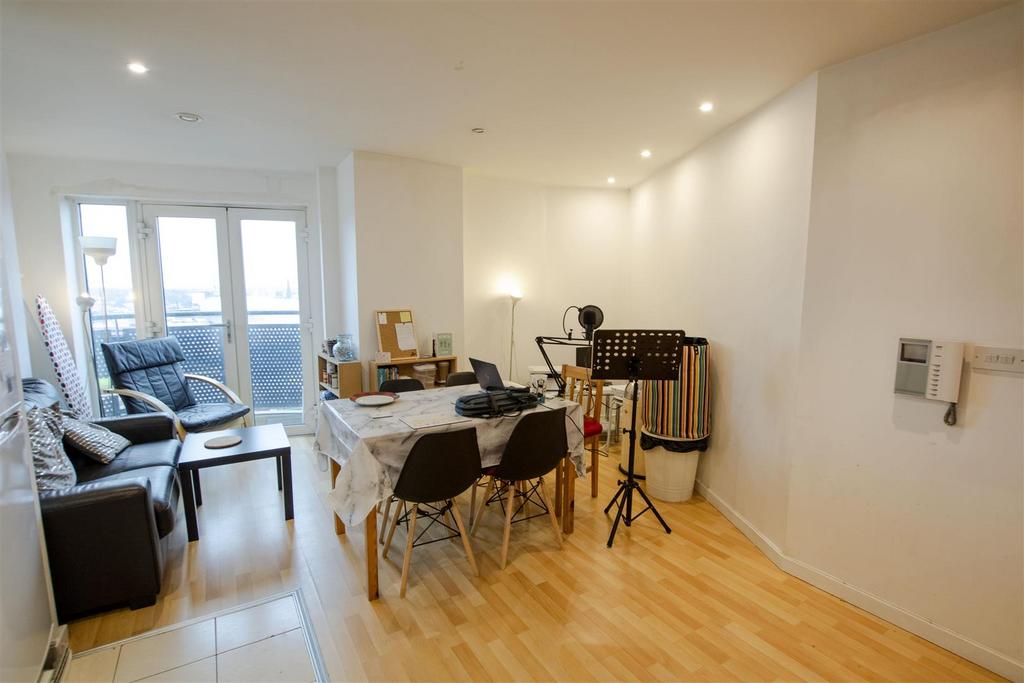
(401, 384)
(440, 466)
(537, 445)
(458, 379)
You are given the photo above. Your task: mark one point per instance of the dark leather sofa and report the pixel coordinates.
(105, 536)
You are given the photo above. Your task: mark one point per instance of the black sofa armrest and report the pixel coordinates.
(141, 428)
(103, 545)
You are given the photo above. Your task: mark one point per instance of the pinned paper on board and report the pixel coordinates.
(396, 333)
(406, 336)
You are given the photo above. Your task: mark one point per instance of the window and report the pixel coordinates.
(112, 317)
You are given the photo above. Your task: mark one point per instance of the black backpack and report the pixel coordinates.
(495, 403)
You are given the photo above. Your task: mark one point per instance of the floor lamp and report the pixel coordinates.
(100, 249)
(516, 297)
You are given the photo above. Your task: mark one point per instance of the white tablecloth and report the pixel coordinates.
(372, 450)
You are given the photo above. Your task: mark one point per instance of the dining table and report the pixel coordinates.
(367, 446)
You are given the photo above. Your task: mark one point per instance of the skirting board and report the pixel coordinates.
(894, 614)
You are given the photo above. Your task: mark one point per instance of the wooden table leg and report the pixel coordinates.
(559, 485)
(339, 526)
(569, 496)
(370, 531)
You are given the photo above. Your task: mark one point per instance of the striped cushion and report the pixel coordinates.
(99, 443)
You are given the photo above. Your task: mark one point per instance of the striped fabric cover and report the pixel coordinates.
(680, 410)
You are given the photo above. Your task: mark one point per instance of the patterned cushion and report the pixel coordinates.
(54, 471)
(99, 443)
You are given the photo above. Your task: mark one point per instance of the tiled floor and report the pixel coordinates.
(264, 642)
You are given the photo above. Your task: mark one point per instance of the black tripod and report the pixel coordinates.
(635, 355)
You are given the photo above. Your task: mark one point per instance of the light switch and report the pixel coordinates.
(1000, 359)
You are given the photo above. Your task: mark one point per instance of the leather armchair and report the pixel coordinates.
(105, 535)
(149, 375)
(103, 545)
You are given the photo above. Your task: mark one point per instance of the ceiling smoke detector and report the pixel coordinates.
(479, 131)
(188, 117)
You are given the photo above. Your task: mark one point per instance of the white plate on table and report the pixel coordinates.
(374, 400)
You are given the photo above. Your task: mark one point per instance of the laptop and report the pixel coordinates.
(487, 375)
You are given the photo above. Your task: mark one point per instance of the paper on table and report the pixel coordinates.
(406, 336)
(424, 421)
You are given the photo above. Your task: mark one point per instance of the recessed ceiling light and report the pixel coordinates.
(189, 117)
(478, 131)
(137, 67)
(611, 180)
(706, 106)
(645, 153)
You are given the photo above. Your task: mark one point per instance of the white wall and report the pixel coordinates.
(404, 219)
(916, 231)
(15, 326)
(882, 199)
(559, 246)
(719, 241)
(45, 242)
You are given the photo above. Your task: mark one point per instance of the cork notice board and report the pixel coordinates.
(396, 334)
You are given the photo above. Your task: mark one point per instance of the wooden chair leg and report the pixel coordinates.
(595, 458)
(483, 504)
(449, 519)
(408, 549)
(399, 511)
(472, 499)
(558, 488)
(551, 510)
(465, 538)
(384, 523)
(509, 507)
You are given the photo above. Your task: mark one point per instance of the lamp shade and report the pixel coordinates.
(99, 249)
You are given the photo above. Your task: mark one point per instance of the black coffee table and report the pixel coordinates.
(258, 443)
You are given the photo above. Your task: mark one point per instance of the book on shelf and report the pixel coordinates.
(386, 373)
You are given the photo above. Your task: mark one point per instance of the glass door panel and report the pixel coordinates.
(112, 317)
(271, 277)
(193, 294)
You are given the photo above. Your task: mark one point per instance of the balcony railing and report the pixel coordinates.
(275, 358)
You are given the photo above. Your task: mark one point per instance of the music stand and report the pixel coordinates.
(635, 355)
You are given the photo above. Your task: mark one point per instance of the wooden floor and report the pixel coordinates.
(702, 604)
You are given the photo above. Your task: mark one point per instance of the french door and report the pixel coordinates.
(231, 285)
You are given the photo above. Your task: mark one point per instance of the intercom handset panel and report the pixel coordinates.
(929, 369)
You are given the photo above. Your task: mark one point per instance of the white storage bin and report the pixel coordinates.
(670, 476)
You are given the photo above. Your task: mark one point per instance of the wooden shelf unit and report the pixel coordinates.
(349, 374)
(408, 362)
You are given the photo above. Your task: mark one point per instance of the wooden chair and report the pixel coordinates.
(535, 448)
(589, 393)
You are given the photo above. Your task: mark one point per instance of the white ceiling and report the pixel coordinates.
(569, 93)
